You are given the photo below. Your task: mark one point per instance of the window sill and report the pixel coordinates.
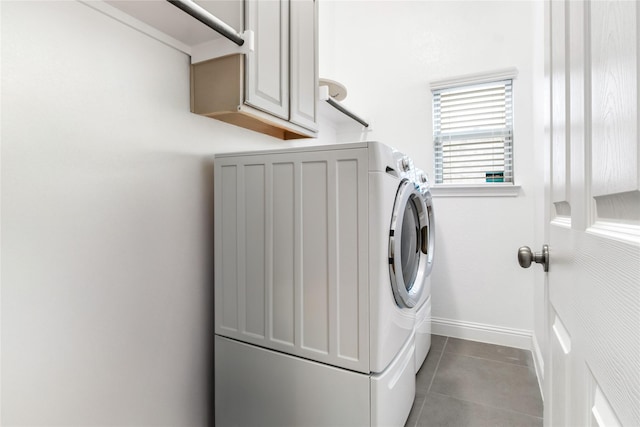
(477, 190)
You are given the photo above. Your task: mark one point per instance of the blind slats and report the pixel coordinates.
(473, 133)
(473, 146)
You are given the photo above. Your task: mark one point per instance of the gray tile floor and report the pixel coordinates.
(470, 384)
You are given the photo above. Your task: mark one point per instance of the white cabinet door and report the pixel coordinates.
(593, 201)
(267, 67)
(304, 63)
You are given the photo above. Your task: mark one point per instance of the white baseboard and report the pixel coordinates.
(510, 337)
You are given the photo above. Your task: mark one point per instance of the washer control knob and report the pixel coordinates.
(405, 164)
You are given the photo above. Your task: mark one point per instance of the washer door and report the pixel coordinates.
(428, 234)
(410, 245)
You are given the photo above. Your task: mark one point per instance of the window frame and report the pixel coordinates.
(509, 189)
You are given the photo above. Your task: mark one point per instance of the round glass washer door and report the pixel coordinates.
(410, 244)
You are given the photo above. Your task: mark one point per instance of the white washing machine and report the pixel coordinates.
(321, 260)
(423, 312)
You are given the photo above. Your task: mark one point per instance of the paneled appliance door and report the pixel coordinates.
(410, 245)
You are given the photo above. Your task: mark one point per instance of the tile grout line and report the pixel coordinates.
(490, 360)
(486, 406)
(424, 401)
(524, 362)
(435, 371)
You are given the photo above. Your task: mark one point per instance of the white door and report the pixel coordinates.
(592, 361)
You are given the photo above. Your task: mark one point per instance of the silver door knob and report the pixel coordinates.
(525, 257)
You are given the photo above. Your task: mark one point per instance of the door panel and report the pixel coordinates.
(614, 48)
(594, 210)
(560, 161)
(304, 63)
(601, 411)
(267, 77)
(560, 353)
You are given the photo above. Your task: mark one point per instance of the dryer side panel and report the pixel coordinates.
(253, 212)
(316, 261)
(283, 254)
(292, 253)
(351, 254)
(226, 246)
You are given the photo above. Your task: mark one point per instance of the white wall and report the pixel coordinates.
(106, 223)
(106, 182)
(386, 53)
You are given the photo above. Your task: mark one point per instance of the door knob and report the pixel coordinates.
(525, 257)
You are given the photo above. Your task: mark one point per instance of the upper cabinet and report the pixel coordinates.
(271, 88)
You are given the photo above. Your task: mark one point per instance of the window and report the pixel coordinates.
(473, 133)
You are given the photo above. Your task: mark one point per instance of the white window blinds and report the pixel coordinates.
(473, 133)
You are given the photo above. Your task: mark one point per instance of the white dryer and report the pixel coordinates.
(321, 259)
